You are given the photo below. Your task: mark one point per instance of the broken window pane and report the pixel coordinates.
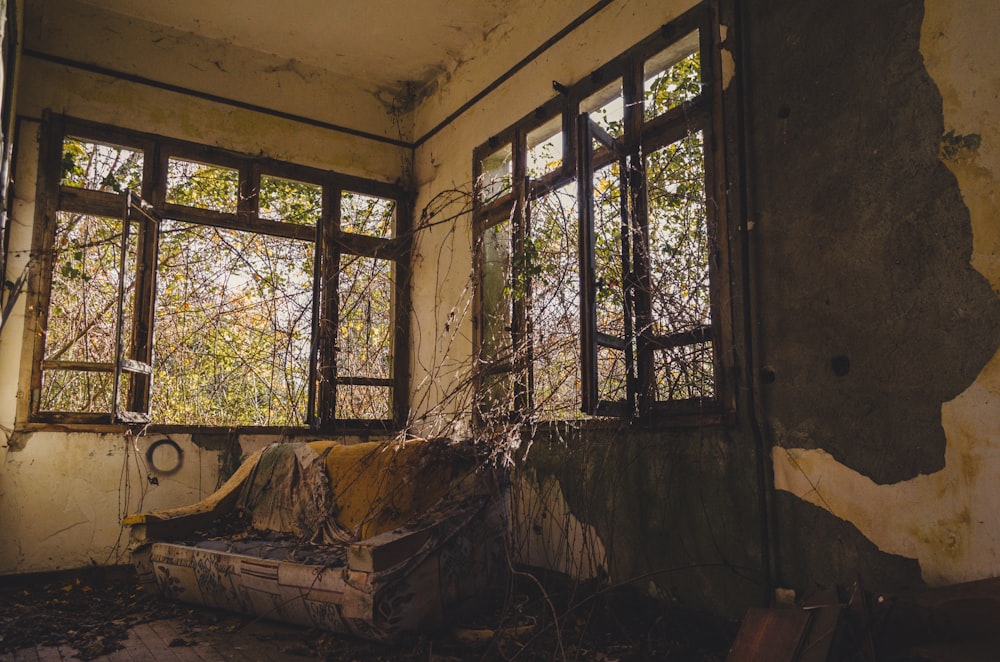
(672, 77)
(609, 285)
(685, 372)
(289, 201)
(612, 376)
(202, 185)
(76, 391)
(555, 313)
(364, 335)
(84, 296)
(370, 403)
(496, 179)
(367, 214)
(496, 290)
(233, 327)
(100, 166)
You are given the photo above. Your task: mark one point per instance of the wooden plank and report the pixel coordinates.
(770, 635)
(387, 550)
(826, 608)
(82, 366)
(132, 417)
(128, 365)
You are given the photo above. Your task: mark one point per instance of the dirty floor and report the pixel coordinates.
(105, 616)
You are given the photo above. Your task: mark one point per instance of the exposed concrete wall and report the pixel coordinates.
(872, 175)
(876, 154)
(62, 494)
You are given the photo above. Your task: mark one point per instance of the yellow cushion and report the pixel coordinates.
(379, 486)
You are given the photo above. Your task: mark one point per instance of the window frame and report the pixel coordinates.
(327, 238)
(640, 137)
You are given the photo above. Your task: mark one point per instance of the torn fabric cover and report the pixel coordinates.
(289, 493)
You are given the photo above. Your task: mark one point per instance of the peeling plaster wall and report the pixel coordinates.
(877, 153)
(63, 494)
(872, 141)
(875, 244)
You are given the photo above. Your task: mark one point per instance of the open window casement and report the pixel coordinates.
(608, 386)
(104, 358)
(133, 355)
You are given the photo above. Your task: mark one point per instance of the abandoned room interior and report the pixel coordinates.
(709, 289)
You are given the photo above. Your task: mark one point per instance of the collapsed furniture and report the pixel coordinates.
(369, 539)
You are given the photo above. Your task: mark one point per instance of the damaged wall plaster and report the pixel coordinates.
(548, 535)
(949, 519)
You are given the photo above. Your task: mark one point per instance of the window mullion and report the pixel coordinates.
(315, 394)
(521, 337)
(329, 318)
(588, 259)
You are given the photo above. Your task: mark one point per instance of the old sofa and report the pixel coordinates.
(369, 539)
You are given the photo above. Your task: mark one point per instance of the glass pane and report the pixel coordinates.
(364, 337)
(610, 302)
(672, 77)
(100, 166)
(545, 148)
(367, 214)
(497, 175)
(76, 391)
(363, 402)
(496, 292)
(233, 327)
(555, 315)
(607, 108)
(202, 185)
(289, 201)
(495, 322)
(678, 237)
(685, 372)
(83, 301)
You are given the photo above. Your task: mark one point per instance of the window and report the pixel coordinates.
(189, 286)
(599, 258)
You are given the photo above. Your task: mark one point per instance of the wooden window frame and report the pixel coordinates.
(704, 113)
(327, 237)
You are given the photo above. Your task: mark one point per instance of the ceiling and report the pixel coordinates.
(386, 42)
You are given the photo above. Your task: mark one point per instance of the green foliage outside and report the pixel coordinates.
(546, 272)
(233, 309)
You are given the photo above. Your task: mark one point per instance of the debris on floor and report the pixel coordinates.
(96, 614)
(960, 622)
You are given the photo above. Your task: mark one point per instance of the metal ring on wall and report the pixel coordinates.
(165, 442)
